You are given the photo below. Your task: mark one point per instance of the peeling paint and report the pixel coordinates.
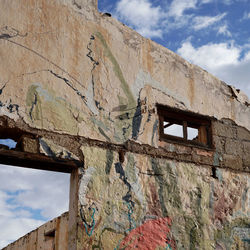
(96, 93)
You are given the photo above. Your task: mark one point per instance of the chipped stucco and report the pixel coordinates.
(85, 88)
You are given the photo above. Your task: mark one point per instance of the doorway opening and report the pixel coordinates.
(34, 189)
(28, 199)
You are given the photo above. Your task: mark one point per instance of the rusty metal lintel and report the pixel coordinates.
(37, 161)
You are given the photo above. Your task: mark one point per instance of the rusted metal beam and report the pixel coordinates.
(37, 161)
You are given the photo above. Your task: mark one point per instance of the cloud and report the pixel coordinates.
(223, 30)
(223, 60)
(141, 15)
(246, 16)
(154, 21)
(201, 22)
(148, 32)
(28, 198)
(210, 56)
(206, 1)
(13, 224)
(178, 7)
(14, 228)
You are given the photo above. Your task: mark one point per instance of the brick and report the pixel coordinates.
(243, 133)
(232, 161)
(184, 157)
(221, 129)
(179, 149)
(246, 168)
(246, 160)
(246, 147)
(228, 122)
(29, 145)
(233, 147)
(219, 143)
(207, 160)
(246, 154)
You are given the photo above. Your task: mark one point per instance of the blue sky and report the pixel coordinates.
(213, 34)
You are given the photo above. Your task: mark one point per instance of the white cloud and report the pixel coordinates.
(141, 15)
(246, 15)
(23, 191)
(178, 7)
(201, 22)
(13, 224)
(171, 24)
(223, 30)
(153, 21)
(206, 1)
(223, 60)
(210, 56)
(148, 32)
(13, 228)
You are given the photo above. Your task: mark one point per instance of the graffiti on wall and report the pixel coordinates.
(158, 204)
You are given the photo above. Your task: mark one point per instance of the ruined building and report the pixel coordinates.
(82, 93)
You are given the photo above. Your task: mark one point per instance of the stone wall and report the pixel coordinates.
(232, 144)
(76, 84)
(87, 74)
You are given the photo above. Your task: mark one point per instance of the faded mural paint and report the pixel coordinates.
(100, 82)
(82, 74)
(162, 204)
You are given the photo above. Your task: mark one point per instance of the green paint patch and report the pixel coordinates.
(46, 110)
(103, 133)
(33, 103)
(118, 237)
(123, 121)
(118, 72)
(130, 168)
(169, 192)
(225, 235)
(110, 159)
(195, 238)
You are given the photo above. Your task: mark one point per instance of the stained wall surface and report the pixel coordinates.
(161, 204)
(87, 88)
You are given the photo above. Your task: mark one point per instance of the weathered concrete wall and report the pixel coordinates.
(83, 86)
(87, 74)
(51, 235)
(160, 204)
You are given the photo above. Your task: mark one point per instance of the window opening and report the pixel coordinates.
(184, 127)
(192, 133)
(173, 129)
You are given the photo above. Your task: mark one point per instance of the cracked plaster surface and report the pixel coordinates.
(97, 75)
(84, 74)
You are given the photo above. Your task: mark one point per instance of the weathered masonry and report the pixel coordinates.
(82, 93)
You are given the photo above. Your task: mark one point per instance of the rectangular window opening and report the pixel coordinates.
(173, 129)
(184, 127)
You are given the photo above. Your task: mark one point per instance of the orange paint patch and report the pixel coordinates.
(150, 235)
